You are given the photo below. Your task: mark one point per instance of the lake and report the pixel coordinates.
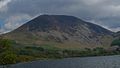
(87, 62)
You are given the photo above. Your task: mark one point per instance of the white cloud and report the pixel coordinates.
(92, 2)
(15, 21)
(116, 29)
(3, 4)
(100, 24)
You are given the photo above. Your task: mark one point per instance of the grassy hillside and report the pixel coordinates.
(29, 39)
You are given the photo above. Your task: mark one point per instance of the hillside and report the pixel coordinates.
(116, 41)
(61, 31)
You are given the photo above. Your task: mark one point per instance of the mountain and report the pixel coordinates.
(61, 31)
(117, 35)
(116, 41)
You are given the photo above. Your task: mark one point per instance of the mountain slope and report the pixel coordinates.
(61, 31)
(117, 35)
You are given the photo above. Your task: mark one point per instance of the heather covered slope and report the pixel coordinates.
(61, 31)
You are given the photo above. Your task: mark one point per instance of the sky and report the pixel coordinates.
(14, 13)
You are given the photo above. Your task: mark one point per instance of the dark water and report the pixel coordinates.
(88, 62)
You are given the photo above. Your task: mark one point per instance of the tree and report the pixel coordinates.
(5, 44)
(7, 55)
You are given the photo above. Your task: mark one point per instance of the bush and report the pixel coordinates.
(116, 42)
(5, 44)
(8, 57)
(25, 58)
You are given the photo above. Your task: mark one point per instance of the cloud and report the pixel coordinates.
(3, 4)
(102, 12)
(16, 21)
(116, 29)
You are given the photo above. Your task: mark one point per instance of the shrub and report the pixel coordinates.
(8, 57)
(116, 42)
(25, 58)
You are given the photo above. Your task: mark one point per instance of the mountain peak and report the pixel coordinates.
(45, 22)
(61, 22)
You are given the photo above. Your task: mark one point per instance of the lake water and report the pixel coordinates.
(87, 62)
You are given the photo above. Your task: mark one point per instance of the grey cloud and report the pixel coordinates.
(16, 21)
(103, 12)
(3, 4)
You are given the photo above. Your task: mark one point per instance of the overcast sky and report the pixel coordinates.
(14, 13)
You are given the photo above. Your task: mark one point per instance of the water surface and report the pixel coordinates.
(87, 62)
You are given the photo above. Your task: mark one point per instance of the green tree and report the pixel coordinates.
(7, 55)
(5, 44)
(99, 51)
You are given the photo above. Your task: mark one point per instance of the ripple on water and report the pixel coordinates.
(88, 62)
